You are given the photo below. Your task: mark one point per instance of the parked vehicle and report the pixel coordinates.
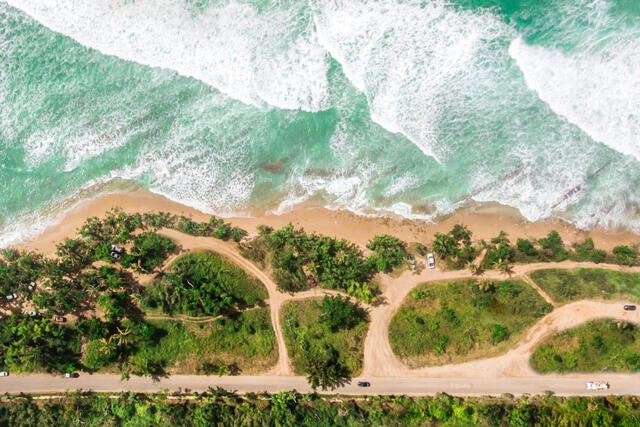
(12, 296)
(32, 313)
(4, 374)
(71, 375)
(116, 251)
(431, 260)
(630, 307)
(364, 384)
(58, 319)
(597, 385)
(31, 286)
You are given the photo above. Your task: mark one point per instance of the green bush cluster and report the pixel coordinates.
(327, 352)
(69, 283)
(565, 285)
(331, 263)
(499, 253)
(149, 251)
(203, 284)
(389, 252)
(597, 346)
(453, 321)
(552, 249)
(288, 408)
(455, 247)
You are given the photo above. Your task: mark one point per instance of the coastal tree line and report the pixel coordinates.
(288, 408)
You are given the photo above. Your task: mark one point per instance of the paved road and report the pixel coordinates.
(561, 385)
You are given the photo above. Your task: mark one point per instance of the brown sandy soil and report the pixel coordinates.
(485, 222)
(379, 359)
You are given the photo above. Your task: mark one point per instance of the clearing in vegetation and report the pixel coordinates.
(316, 344)
(204, 284)
(587, 283)
(451, 322)
(242, 343)
(600, 345)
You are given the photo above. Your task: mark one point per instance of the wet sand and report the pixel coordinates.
(484, 221)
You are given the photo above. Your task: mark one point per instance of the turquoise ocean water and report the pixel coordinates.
(413, 107)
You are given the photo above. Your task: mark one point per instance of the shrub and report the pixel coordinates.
(237, 234)
(390, 251)
(150, 250)
(203, 284)
(333, 264)
(455, 247)
(223, 231)
(554, 247)
(586, 251)
(525, 247)
(626, 255)
(340, 313)
(498, 333)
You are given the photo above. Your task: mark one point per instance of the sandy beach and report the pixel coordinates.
(485, 222)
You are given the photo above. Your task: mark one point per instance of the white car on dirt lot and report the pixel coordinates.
(431, 260)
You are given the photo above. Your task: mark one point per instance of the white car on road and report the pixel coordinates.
(431, 260)
(4, 374)
(597, 385)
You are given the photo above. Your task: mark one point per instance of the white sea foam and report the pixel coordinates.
(595, 84)
(408, 58)
(258, 57)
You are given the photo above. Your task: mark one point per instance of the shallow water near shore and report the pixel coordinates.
(417, 108)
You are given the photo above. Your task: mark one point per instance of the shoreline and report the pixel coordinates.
(485, 222)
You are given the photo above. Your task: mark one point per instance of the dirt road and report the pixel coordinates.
(564, 385)
(510, 372)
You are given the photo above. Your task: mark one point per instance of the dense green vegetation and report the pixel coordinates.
(239, 343)
(121, 338)
(600, 345)
(455, 247)
(583, 283)
(218, 407)
(499, 253)
(547, 249)
(389, 252)
(454, 321)
(626, 255)
(327, 352)
(299, 259)
(149, 251)
(203, 284)
(28, 344)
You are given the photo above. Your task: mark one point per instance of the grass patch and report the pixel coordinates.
(447, 322)
(600, 345)
(587, 283)
(204, 284)
(244, 339)
(301, 325)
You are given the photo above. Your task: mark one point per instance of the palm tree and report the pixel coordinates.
(505, 267)
(476, 270)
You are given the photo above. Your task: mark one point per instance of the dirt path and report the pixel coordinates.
(276, 298)
(192, 319)
(538, 289)
(379, 359)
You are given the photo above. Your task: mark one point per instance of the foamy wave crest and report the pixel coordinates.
(595, 82)
(259, 57)
(409, 58)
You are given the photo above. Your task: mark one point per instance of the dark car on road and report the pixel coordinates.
(630, 307)
(364, 384)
